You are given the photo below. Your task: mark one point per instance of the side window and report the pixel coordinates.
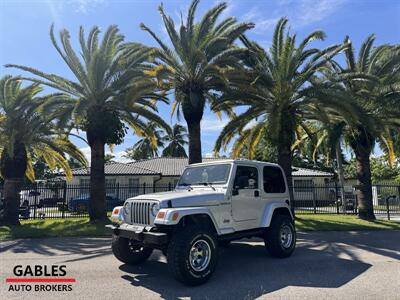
(273, 180)
(246, 178)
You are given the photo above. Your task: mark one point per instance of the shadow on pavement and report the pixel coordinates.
(86, 247)
(245, 271)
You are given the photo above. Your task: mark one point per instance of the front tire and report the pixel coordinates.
(280, 237)
(129, 251)
(192, 255)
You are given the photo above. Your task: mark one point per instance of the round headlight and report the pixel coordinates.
(155, 207)
(126, 208)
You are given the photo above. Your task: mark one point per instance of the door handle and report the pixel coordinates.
(256, 193)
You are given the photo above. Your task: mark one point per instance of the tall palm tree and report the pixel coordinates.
(176, 141)
(25, 134)
(372, 82)
(195, 66)
(109, 91)
(275, 102)
(145, 148)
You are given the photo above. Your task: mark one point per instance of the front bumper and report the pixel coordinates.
(139, 233)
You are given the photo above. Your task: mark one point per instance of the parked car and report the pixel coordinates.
(82, 203)
(213, 204)
(31, 198)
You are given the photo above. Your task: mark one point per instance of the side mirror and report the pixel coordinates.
(235, 192)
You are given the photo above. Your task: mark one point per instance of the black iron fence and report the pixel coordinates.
(61, 200)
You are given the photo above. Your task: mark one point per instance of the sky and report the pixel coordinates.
(25, 24)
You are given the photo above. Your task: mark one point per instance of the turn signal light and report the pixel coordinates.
(161, 215)
(116, 211)
(175, 216)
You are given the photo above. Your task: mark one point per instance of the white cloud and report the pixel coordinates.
(84, 6)
(300, 13)
(119, 155)
(212, 125)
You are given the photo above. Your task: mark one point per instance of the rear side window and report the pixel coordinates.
(273, 180)
(246, 178)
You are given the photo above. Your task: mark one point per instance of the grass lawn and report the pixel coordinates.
(53, 228)
(82, 227)
(331, 222)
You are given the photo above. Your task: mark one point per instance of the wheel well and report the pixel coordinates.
(201, 220)
(282, 211)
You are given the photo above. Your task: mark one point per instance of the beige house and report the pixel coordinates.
(162, 173)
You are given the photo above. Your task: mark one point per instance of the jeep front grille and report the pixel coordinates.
(140, 213)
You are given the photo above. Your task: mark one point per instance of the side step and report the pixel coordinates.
(259, 232)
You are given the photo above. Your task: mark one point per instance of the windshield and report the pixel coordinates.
(212, 174)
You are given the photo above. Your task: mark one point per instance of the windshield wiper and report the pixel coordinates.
(207, 184)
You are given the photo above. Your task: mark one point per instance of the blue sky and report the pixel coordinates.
(24, 27)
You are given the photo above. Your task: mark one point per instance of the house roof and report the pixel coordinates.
(115, 168)
(301, 172)
(169, 166)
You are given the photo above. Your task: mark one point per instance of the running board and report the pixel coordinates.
(259, 232)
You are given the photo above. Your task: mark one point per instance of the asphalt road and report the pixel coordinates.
(325, 265)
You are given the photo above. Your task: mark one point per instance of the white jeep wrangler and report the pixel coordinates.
(213, 203)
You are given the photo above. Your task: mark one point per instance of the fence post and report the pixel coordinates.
(144, 187)
(64, 203)
(314, 200)
(169, 186)
(35, 204)
(336, 197)
(356, 210)
(387, 208)
(117, 190)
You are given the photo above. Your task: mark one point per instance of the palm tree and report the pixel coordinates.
(196, 66)
(109, 91)
(109, 158)
(145, 148)
(26, 134)
(372, 83)
(275, 102)
(176, 141)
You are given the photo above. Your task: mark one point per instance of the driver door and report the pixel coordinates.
(245, 193)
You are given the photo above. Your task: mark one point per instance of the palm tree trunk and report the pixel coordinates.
(364, 183)
(13, 169)
(285, 161)
(362, 144)
(340, 172)
(12, 188)
(97, 211)
(194, 142)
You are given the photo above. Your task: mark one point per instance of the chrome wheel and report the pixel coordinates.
(200, 255)
(286, 236)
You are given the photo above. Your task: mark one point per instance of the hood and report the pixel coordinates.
(184, 198)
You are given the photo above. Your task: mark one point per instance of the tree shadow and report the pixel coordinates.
(245, 271)
(85, 247)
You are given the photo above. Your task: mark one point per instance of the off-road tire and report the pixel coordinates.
(179, 250)
(273, 238)
(124, 252)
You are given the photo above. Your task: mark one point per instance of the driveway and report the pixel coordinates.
(339, 265)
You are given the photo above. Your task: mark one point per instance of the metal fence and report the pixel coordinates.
(61, 200)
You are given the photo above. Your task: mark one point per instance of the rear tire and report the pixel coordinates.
(280, 237)
(128, 251)
(192, 255)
